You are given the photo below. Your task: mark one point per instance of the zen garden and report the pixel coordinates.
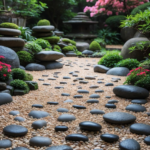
(74, 74)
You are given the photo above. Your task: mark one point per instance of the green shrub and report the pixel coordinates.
(24, 57)
(18, 73)
(145, 63)
(43, 43)
(43, 22)
(110, 59)
(33, 47)
(8, 25)
(19, 84)
(94, 46)
(140, 8)
(114, 21)
(69, 48)
(57, 48)
(28, 77)
(128, 63)
(48, 49)
(52, 39)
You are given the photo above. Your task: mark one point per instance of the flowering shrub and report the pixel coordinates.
(5, 71)
(139, 77)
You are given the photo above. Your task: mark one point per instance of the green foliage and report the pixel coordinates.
(73, 42)
(52, 39)
(33, 47)
(140, 8)
(8, 25)
(26, 34)
(24, 57)
(128, 63)
(18, 73)
(69, 48)
(43, 22)
(100, 41)
(28, 77)
(57, 48)
(110, 59)
(43, 43)
(146, 63)
(101, 53)
(48, 49)
(94, 46)
(114, 21)
(69, 41)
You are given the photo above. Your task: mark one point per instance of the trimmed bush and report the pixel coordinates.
(100, 41)
(18, 73)
(8, 25)
(24, 57)
(43, 43)
(52, 39)
(140, 8)
(94, 46)
(43, 22)
(28, 77)
(110, 59)
(114, 21)
(33, 47)
(128, 63)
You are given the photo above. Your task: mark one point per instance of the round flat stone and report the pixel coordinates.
(5, 143)
(90, 126)
(136, 108)
(66, 77)
(44, 75)
(61, 128)
(77, 137)
(80, 78)
(94, 96)
(97, 111)
(39, 124)
(60, 147)
(109, 84)
(38, 114)
(37, 105)
(99, 82)
(42, 29)
(90, 77)
(59, 87)
(5, 98)
(110, 105)
(41, 79)
(83, 82)
(94, 86)
(107, 96)
(14, 112)
(119, 118)
(78, 96)
(83, 91)
(140, 128)
(52, 103)
(20, 119)
(147, 140)
(100, 68)
(15, 130)
(20, 148)
(129, 144)
(92, 101)
(51, 79)
(79, 107)
(40, 141)
(63, 82)
(68, 101)
(99, 91)
(112, 101)
(66, 118)
(35, 67)
(139, 101)
(109, 137)
(46, 84)
(9, 32)
(65, 94)
(62, 110)
(118, 71)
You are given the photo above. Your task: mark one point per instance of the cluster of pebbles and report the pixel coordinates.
(76, 109)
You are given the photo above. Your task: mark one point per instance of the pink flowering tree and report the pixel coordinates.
(109, 6)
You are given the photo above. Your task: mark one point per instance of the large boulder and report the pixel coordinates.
(9, 32)
(137, 54)
(87, 52)
(48, 55)
(43, 28)
(35, 67)
(100, 68)
(10, 57)
(5, 98)
(52, 65)
(118, 71)
(81, 46)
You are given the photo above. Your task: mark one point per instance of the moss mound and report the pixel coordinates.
(43, 22)
(94, 46)
(52, 39)
(8, 25)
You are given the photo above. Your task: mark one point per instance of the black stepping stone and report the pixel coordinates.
(51, 79)
(66, 78)
(5, 143)
(136, 108)
(65, 94)
(59, 87)
(109, 84)
(46, 84)
(76, 137)
(147, 140)
(83, 91)
(41, 79)
(109, 137)
(14, 112)
(94, 86)
(90, 77)
(63, 82)
(112, 101)
(37, 105)
(61, 128)
(38, 114)
(79, 107)
(148, 113)
(110, 105)
(90, 126)
(70, 72)
(15, 130)
(39, 124)
(94, 96)
(119, 118)
(20, 119)
(78, 96)
(80, 78)
(44, 75)
(140, 128)
(60, 147)
(97, 111)
(92, 101)
(75, 75)
(66, 118)
(62, 110)
(20, 148)
(52, 103)
(107, 96)
(83, 82)
(99, 91)
(99, 82)
(129, 144)
(40, 141)
(139, 101)
(68, 101)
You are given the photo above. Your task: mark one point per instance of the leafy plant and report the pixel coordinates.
(146, 63)
(94, 46)
(128, 63)
(18, 73)
(110, 59)
(101, 53)
(43, 43)
(33, 47)
(52, 39)
(43, 22)
(28, 77)
(8, 25)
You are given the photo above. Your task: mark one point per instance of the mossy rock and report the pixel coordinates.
(69, 48)
(65, 40)
(52, 39)
(32, 85)
(43, 22)
(94, 46)
(8, 25)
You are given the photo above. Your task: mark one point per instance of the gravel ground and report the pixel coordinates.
(48, 93)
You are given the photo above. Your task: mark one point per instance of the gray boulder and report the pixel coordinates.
(81, 46)
(5, 98)
(118, 71)
(137, 54)
(52, 65)
(35, 67)
(138, 34)
(87, 52)
(10, 57)
(9, 32)
(43, 28)
(71, 54)
(100, 68)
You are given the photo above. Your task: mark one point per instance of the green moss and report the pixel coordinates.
(28, 77)
(140, 8)
(8, 25)
(52, 39)
(73, 42)
(18, 73)
(94, 46)
(43, 22)
(69, 48)
(33, 47)
(69, 41)
(24, 57)
(32, 85)
(43, 43)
